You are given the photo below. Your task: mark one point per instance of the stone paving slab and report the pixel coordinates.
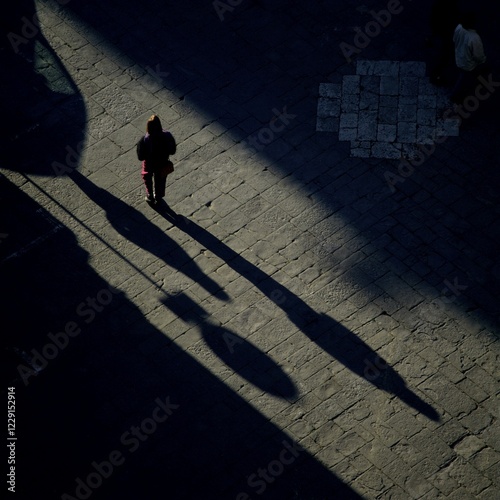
(325, 320)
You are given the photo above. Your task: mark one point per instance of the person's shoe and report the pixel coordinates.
(149, 199)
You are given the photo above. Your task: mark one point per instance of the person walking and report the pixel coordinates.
(469, 56)
(153, 150)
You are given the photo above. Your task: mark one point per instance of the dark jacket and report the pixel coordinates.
(154, 150)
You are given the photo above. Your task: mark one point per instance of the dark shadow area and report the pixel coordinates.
(264, 56)
(23, 229)
(94, 390)
(335, 339)
(42, 108)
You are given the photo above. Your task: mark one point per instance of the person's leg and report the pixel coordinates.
(148, 182)
(160, 182)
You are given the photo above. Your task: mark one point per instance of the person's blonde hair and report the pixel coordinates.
(153, 125)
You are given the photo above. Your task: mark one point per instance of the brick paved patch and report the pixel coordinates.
(386, 110)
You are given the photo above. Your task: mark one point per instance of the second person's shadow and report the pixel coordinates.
(330, 335)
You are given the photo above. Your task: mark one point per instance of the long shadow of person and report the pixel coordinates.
(331, 336)
(135, 227)
(238, 354)
(233, 350)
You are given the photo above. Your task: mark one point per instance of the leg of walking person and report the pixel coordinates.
(160, 183)
(148, 182)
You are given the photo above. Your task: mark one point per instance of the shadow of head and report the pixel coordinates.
(237, 353)
(361, 359)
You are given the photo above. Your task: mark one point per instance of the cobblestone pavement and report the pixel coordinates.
(308, 318)
(387, 109)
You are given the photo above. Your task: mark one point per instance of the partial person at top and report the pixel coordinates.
(470, 57)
